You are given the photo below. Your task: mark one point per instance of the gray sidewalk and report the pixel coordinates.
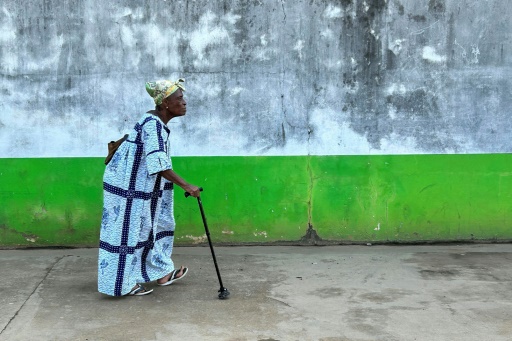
(447, 292)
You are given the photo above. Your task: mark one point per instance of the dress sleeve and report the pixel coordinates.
(154, 138)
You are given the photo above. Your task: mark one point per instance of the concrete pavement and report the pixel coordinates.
(428, 292)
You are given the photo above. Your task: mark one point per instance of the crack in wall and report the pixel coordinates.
(311, 237)
(284, 12)
(32, 293)
(310, 191)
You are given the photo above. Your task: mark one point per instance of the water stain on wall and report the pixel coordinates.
(436, 6)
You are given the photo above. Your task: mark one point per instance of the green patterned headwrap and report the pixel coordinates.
(162, 89)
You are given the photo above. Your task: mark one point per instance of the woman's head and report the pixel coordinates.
(168, 96)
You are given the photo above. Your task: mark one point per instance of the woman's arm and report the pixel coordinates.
(171, 175)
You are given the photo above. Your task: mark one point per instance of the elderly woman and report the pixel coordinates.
(137, 228)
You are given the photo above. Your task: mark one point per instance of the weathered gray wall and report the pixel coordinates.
(264, 77)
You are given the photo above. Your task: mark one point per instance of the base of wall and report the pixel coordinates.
(298, 200)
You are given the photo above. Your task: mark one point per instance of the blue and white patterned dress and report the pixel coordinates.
(137, 227)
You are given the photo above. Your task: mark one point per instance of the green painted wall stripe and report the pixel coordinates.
(413, 197)
(396, 198)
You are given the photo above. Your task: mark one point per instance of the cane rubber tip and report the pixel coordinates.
(224, 294)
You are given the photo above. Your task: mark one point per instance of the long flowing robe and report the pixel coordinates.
(137, 227)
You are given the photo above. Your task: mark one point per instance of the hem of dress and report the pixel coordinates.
(122, 294)
(165, 273)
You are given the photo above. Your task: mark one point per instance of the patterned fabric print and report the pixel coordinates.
(137, 228)
(161, 252)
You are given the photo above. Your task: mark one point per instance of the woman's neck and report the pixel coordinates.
(161, 115)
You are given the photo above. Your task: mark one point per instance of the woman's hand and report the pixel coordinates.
(192, 190)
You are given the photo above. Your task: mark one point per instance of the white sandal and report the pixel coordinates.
(139, 290)
(173, 277)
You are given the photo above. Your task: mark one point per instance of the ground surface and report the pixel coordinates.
(448, 292)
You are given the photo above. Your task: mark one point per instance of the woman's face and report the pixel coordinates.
(175, 104)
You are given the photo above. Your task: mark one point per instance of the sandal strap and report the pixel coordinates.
(176, 271)
(138, 289)
(173, 274)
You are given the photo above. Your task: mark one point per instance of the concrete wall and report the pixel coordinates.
(264, 78)
(280, 78)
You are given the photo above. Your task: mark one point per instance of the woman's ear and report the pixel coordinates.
(163, 104)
